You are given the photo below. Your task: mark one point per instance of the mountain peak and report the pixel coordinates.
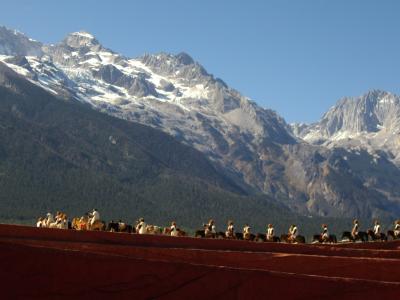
(375, 94)
(11, 31)
(360, 118)
(184, 58)
(83, 33)
(14, 42)
(80, 39)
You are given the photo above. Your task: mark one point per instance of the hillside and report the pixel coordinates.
(62, 155)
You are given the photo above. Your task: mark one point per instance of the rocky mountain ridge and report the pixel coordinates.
(370, 122)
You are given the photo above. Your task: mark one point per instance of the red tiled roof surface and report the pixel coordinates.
(65, 264)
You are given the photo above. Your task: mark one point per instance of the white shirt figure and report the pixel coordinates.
(58, 219)
(325, 233)
(209, 228)
(377, 229)
(213, 229)
(354, 232)
(174, 230)
(142, 227)
(397, 229)
(270, 233)
(294, 232)
(230, 231)
(39, 223)
(246, 230)
(50, 219)
(95, 217)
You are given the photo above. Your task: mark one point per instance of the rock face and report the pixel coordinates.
(16, 43)
(57, 154)
(371, 122)
(255, 146)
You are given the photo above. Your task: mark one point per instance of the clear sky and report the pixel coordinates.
(296, 57)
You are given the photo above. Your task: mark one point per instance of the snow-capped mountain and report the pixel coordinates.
(166, 90)
(171, 92)
(175, 94)
(371, 122)
(13, 42)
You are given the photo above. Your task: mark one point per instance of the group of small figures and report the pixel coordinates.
(141, 227)
(292, 236)
(209, 231)
(92, 221)
(374, 234)
(60, 221)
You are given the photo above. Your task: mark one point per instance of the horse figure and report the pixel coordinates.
(275, 239)
(153, 229)
(202, 234)
(220, 235)
(113, 226)
(61, 224)
(318, 239)
(361, 236)
(79, 223)
(41, 223)
(382, 237)
(179, 232)
(390, 235)
(239, 235)
(97, 226)
(249, 237)
(299, 239)
(124, 227)
(119, 227)
(260, 237)
(230, 235)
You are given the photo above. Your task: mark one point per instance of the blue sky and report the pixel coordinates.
(296, 57)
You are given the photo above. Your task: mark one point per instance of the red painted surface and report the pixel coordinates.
(53, 264)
